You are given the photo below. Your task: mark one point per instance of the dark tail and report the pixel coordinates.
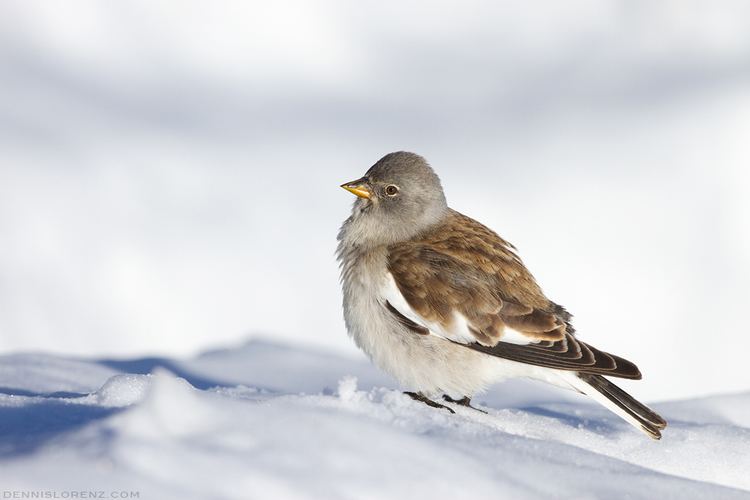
(648, 420)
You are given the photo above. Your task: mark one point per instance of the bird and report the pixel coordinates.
(446, 306)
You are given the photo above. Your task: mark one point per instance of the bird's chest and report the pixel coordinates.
(364, 275)
(392, 347)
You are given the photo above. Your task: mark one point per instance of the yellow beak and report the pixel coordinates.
(358, 188)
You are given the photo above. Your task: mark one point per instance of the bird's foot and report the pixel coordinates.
(418, 396)
(464, 401)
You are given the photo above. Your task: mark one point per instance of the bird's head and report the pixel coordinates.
(399, 197)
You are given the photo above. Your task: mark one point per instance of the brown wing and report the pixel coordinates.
(463, 267)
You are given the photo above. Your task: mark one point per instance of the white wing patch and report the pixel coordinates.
(392, 294)
(512, 336)
(457, 331)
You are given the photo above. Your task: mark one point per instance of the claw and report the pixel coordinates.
(464, 401)
(417, 396)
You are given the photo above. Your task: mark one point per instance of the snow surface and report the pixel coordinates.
(266, 420)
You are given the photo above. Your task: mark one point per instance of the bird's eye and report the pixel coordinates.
(391, 190)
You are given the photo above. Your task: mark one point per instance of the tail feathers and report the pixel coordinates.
(620, 402)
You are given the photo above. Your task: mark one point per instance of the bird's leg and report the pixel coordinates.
(464, 401)
(418, 396)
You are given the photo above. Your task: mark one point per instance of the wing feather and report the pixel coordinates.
(464, 283)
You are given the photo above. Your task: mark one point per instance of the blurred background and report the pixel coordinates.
(169, 171)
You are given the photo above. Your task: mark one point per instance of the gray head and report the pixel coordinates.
(399, 197)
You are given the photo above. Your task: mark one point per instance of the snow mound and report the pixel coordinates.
(348, 388)
(122, 390)
(161, 435)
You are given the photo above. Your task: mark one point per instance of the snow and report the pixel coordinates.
(268, 420)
